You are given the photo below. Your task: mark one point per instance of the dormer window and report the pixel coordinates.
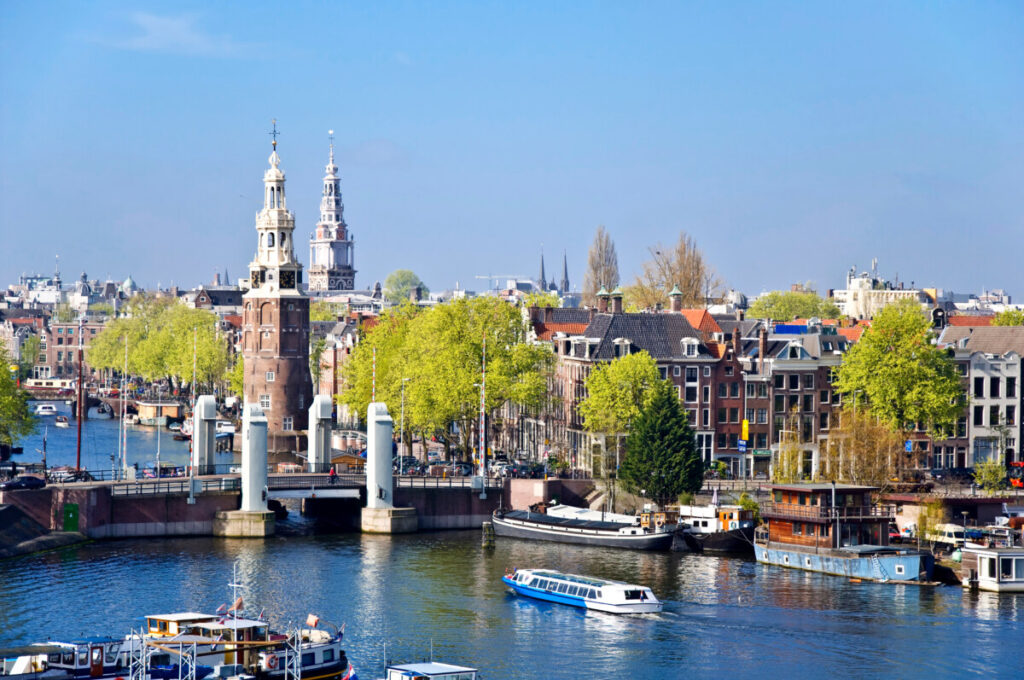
(690, 347)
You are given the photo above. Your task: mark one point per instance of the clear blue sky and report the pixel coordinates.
(792, 140)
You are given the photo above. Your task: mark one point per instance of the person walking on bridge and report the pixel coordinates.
(332, 475)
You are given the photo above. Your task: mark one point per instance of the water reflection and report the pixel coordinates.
(723, 616)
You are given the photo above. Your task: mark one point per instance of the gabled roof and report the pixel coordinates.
(659, 335)
(546, 331)
(702, 321)
(852, 334)
(988, 339)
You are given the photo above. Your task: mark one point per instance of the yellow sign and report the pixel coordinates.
(746, 430)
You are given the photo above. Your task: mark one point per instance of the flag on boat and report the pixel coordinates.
(237, 606)
(714, 497)
(312, 620)
(221, 608)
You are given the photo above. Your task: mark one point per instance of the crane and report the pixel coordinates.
(494, 277)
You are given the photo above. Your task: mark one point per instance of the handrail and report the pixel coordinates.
(826, 512)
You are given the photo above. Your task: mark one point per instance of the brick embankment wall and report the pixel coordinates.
(21, 535)
(449, 508)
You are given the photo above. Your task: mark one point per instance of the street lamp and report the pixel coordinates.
(964, 515)
(401, 433)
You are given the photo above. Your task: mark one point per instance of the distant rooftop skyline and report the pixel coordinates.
(790, 140)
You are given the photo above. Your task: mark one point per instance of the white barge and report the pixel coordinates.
(651, 530)
(585, 592)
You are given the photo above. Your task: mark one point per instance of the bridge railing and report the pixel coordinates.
(170, 486)
(446, 482)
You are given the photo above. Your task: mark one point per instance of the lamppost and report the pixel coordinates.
(401, 433)
(964, 515)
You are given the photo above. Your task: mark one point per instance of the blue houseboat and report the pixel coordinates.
(834, 529)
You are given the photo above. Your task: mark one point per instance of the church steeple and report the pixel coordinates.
(565, 274)
(275, 265)
(543, 280)
(331, 250)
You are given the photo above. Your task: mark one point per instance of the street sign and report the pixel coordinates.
(908, 446)
(743, 445)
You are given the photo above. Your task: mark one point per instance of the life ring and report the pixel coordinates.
(660, 523)
(272, 661)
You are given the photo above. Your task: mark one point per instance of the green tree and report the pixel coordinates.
(786, 306)
(863, 450)
(616, 393)
(64, 314)
(16, 420)
(316, 351)
(236, 377)
(29, 356)
(320, 310)
(662, 460)
(537, 299)
(746, 502)
(101, 308)
(990, 475)
(682, 266)
(899, 375)
(399, 283)
(1009, 317)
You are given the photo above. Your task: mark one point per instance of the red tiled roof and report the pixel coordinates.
(546, 331)
(969, 320)
(852, 334)
(702, 321)
(804, 322)
(717, 349)
(234, 319)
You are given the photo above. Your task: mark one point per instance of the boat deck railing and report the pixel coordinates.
(819, 512)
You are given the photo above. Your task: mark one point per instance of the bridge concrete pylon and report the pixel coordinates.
(253, 520)
(204, 434)
(321, 414)
(380, 516)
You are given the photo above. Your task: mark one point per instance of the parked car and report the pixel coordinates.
(462, 470)
(23, 482)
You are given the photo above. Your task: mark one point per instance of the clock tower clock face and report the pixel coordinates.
(287, 279)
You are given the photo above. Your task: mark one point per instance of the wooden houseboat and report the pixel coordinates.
(159, 412)
(834, 529)
(998, 570)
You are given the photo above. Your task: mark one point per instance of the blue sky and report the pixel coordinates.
(792, 140)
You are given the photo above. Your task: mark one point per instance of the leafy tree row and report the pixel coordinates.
(436, 353)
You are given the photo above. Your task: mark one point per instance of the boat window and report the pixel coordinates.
(55, 658)
(1005, 569)
(1019, 566)
(160, 659)
(594, 594)
(328, 655)
(68, 659)
(633, 594)
(111, 655)
(97, 655)
(562, 587)
(533, 582)
(83, 658)
(308, 659)
(575, 589)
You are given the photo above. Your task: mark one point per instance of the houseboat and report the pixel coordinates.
(998, 570)
(715, 528)
(429, 670)
(159, 412)
(585, 592)
(834, 529)
(650, 530)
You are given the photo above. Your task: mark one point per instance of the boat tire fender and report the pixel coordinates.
(272, 661)
(734, 525)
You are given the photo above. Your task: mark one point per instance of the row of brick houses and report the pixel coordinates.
(777, 377)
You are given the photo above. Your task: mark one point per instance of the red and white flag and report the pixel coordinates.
(312, 620)
(221, 608)
(237, 606)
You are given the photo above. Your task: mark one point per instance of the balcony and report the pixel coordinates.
(825, 513)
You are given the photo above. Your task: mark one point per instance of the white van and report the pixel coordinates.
(948, 535)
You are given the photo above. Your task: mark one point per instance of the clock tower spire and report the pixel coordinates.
(331, 248)
(275, 321)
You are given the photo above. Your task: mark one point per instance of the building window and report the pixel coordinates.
(794, 382)
(1011, 387)
(993, 416)
(808, 402)
(663, 371)
(264, 401)
(809, 381)
(1011, 415)
(749, 415)
(798, 528)
(823, 397)
(780, 403)
(762, 415)
(823, 421)
(734, 441)
(705, 418)
(721, 440)
(979, 387)
(691, 393)
(722, 415)
(691, 349)
(707, 371)
(734, 390)
(728, 370)
(287, 422)
(751, 390)
(270, 376)
(691, 374)
(723, 390)
(734, 415)
(706, 391)
(676, 371)
(780, 381)
(60, 356)
(993, 388)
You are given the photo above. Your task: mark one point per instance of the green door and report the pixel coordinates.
(71, 517)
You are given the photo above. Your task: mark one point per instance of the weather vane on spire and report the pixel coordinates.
(274, 133)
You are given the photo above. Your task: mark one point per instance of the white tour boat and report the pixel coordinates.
(46, 410)
(599, 594)
(429, 670)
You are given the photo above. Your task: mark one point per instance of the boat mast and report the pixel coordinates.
(124, 408)
(78, 401)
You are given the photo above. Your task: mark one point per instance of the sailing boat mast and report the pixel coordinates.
(78, 400)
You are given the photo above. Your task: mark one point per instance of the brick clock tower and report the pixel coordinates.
(275, 322)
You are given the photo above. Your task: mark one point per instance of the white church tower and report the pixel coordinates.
(331, 248)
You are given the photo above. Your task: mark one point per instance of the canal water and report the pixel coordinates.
(404, 596)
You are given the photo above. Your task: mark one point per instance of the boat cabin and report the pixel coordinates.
(432, 670)
(711, 518)
(826, 516)
(88, 658)
(653, 520)
(159, 412)
(994, 569)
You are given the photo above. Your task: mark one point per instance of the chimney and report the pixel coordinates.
(762, 348)
(736, 343)
(675, 299)
(547, 314)
(602, 300)
(590, 319)
(616, 301)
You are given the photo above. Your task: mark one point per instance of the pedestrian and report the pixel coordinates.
(332, 475)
